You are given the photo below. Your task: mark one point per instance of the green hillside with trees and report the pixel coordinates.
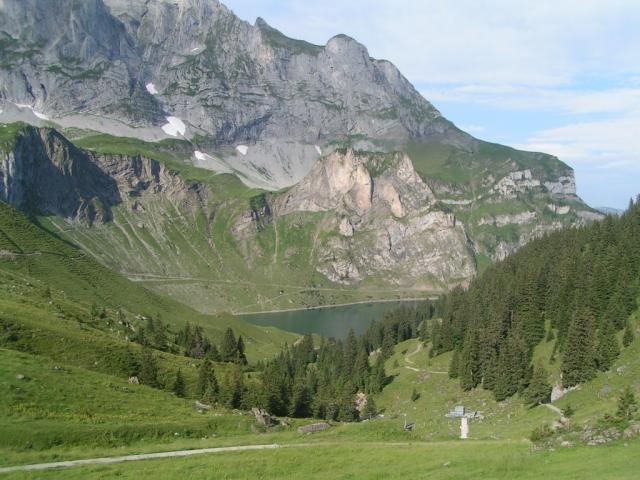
(574, 289)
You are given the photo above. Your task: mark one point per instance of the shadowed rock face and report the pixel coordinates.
(45, 174)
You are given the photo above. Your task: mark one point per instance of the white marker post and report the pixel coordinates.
(464, 428)
(464, 416)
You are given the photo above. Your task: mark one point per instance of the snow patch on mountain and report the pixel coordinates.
(174, 127)
(243, 149)
(151, 88)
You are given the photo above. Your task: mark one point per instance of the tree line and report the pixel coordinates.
(190, 341)
(574, 287)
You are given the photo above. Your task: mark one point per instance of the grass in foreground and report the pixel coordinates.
(447, 460)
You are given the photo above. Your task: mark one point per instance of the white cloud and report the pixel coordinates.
(605, 143)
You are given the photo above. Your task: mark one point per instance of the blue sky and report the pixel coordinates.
(558, 76)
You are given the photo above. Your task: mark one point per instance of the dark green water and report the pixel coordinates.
(329, 322)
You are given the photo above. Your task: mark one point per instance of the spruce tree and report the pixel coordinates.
(539, 390)
(212, 394)
(627, 338)
(615, 313)
(369, 410)
(512, 367)
(159, 339)
(240, 355)
(300, 399)
(470, 366)
(454, 365)
(148, 369)
(130, 364)
(275, 392)
(490, 371)
(178, 385)
(361, 369)
(607, 347)
(214, 354)
(378, 377)
(229, 346)
(388, 342)
(347, 405)
(233, 389)
(350, 353)
(578, 364)
(205, 374)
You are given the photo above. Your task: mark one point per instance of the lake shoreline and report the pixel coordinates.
(335, 305)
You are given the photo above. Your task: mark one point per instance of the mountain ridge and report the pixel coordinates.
(242, 118)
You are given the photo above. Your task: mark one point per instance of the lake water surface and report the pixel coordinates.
(329, 322)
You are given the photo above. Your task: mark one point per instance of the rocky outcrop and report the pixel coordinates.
(46, 174)
(277, 112)
(503, 220)
(382, 222)
(516, 182)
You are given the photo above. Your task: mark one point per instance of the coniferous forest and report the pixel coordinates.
(577, 285)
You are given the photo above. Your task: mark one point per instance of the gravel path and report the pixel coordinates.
(133, 458)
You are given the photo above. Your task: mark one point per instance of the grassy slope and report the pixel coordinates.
(33, 259)
(71, 412)
(59, 412)
(56, 404)
(452, 460)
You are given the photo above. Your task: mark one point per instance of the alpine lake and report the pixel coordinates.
(328, 321)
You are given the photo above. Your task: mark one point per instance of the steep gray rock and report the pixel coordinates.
(46, 174)
(125, 66)
(382, 222)
(379, 184)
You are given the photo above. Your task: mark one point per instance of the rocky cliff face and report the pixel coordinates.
(381, 221)
(46, 174)
(181, 68)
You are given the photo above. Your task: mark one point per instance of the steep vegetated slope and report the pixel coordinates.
(51, 287)
(388, 371)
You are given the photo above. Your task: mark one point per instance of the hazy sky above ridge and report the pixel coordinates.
(559, 76)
